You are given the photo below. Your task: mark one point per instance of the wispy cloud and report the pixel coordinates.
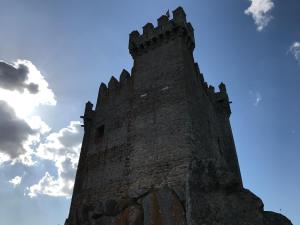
(295, 50)
(256, 97)
(16, 181)
(260, 12)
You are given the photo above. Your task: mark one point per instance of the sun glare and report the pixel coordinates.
(23, 104)
(26, 103)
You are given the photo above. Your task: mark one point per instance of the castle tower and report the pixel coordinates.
(158, 147)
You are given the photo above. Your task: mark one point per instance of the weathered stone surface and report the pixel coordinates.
(111, 208)
(158, 147)
(215, 198)
(239, 208)
(132, 215)
(162, 207)
(98, 210)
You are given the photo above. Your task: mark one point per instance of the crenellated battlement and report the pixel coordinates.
(219, 99)
(166, 30)
(114, 87)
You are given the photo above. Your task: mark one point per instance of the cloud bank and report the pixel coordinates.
(260, 12)
(26, 140)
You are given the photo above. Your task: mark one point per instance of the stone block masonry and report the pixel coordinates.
(158, 147)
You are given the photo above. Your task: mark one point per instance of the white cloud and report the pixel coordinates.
(33, 141)
(16, 181)
(51, 186)
(295, 50)
(4, 158)
(255, 97)
(36, 123)
(260, 12)
(63, 143)
(63, 148)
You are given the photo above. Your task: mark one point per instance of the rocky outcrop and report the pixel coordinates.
(156, 207)
(163, 207)
(272, 218)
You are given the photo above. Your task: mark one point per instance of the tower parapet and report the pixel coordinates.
(166, 30)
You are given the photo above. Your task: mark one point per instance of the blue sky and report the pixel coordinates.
(70, 47)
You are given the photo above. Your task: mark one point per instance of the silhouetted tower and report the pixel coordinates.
(158, 147)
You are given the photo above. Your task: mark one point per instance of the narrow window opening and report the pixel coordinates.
(99, 133)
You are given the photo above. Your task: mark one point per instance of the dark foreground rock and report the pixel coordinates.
(272, 218)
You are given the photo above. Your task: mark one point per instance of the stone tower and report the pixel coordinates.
(158, 147)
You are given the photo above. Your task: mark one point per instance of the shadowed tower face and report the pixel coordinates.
(158, 147)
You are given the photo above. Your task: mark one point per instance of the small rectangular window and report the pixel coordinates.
(99, 133)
